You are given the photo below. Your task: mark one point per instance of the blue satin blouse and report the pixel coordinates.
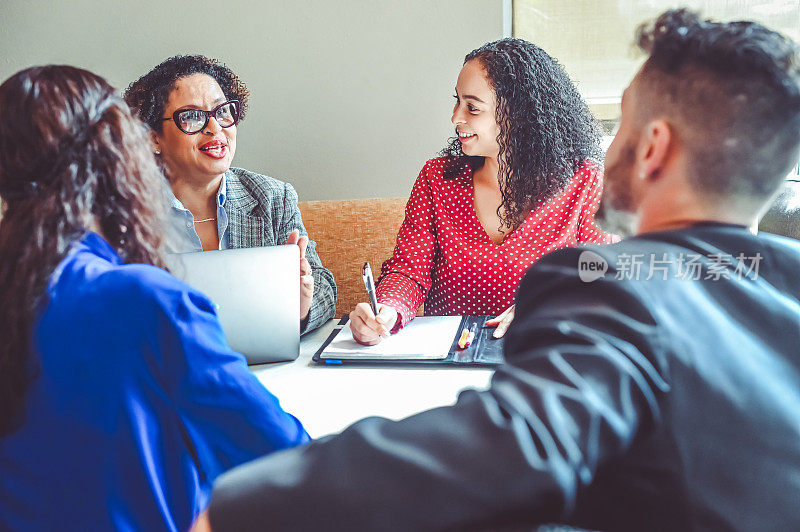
(138, 405)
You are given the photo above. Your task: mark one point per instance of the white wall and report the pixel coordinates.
(348, 97)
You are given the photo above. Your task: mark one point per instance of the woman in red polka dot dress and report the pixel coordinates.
(519, 180)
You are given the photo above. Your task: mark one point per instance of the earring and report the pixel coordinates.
(641, 175)
(157, 152)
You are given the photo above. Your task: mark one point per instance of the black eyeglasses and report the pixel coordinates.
(192, 121)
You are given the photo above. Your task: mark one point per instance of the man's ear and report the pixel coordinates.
(655, 144)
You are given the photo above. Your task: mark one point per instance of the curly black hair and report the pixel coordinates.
(149, 94)
(71, 154)
(734, 90)
(546, 129)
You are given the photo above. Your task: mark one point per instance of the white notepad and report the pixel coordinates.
(424, 338)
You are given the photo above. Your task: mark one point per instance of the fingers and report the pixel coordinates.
(367, 328)
(307, 285)
(387, 316)
(305, 267)
(502, 327)
(362, 333)
(363, 325)
(303, 243)
(494, 322)
(306, 294)
(364, 311)
(294, 236)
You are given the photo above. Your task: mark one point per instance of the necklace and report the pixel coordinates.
(205, 220)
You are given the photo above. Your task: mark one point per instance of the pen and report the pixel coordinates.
(369, 284)
(471, 335)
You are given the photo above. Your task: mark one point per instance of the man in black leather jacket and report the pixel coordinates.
(652, 384)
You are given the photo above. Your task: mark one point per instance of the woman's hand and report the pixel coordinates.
(501, 322)
(367, 328)
(306, 279)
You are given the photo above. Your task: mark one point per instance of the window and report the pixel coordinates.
(593, 39)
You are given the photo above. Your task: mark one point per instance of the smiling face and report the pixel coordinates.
(474, 112)
(205, 155)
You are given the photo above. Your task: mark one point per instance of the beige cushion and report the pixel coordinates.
(349, 233)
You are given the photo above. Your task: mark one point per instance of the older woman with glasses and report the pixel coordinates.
(192, 105)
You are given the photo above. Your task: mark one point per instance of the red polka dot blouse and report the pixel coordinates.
(444, 257)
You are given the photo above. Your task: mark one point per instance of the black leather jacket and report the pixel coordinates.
(666, 398)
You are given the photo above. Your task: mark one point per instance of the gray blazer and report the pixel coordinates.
(262, 211)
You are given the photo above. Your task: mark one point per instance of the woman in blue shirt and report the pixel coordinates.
(120, 400)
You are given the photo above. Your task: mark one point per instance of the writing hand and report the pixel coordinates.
(367, 328)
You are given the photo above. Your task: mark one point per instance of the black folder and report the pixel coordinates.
(484, 351)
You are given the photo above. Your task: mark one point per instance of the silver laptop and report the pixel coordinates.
(257, 295)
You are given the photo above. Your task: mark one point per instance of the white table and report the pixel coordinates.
(328, 399)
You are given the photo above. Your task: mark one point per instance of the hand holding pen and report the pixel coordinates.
(371, 321)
